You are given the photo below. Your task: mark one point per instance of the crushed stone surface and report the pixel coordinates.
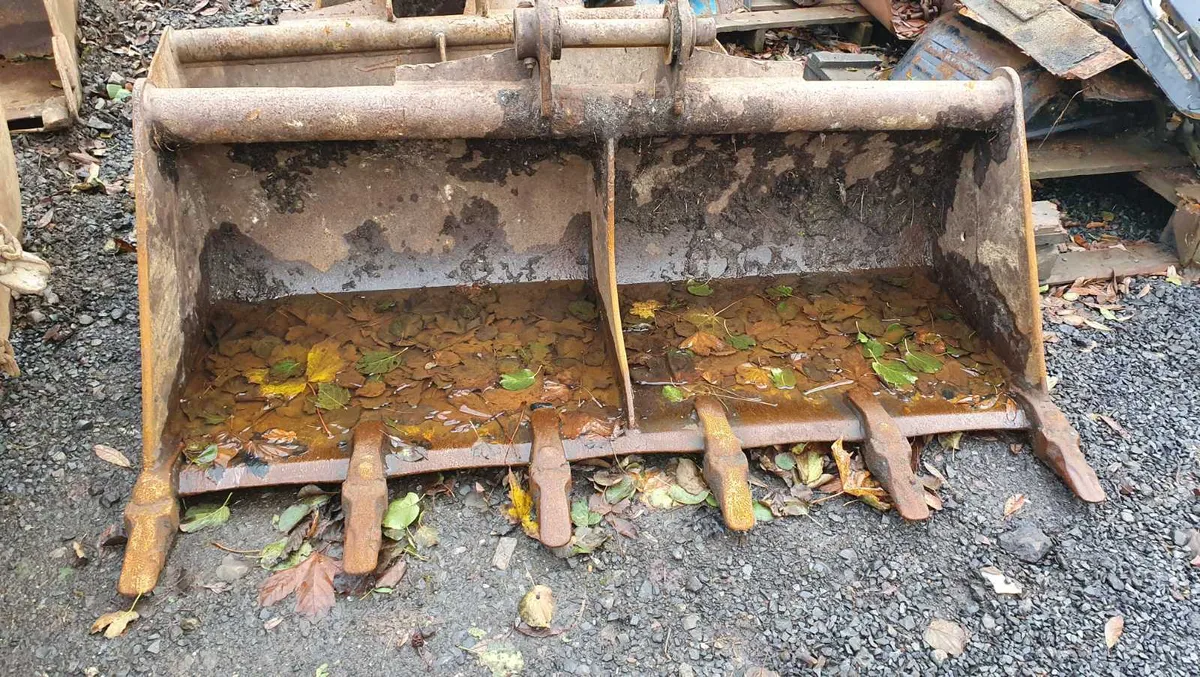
(848, 587)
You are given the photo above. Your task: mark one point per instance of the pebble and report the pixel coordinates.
(85, 320)
(1027, 543)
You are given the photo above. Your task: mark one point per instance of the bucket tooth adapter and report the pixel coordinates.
(39, 72)
(581, 234)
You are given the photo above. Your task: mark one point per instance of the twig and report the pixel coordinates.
(827, 386)
(219, 546)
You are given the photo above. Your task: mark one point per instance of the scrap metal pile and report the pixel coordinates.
(372, 246)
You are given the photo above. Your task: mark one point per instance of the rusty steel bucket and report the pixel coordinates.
(602, 239)
(39, 73)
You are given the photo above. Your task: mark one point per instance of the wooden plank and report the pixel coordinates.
(1047, 224)
(849, 12)
(1177, 185)
(1083, 154)
(1138, 258)
(771, 5)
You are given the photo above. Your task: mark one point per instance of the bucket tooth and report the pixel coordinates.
(725, 466)
(889, 455)
(151, 520)
(364, 500)
(550, 478)
(1056, 443)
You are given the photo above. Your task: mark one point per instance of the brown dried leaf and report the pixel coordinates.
(111, 455)
(114, 623)
(855, 482)
(1013, 504)
(311, 580)
(705, 344)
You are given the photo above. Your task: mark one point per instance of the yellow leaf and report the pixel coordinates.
(537, 607)
(858, 482)
(522, 506)
(324, 362)
(257, 376)
(114, 623)
(287, 389)
(645, 309)
(705, 344)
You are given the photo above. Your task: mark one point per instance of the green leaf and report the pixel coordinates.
(620, 491)
(295, 559)
(117, 92)
(699, 289)
(894, 373)
(674, 394)
(922, 362)
(871, 348)
(582, 516)
(204, 516)
(294, 515)
(377, 362)
(742, 341)
(812, 466)
(286, 368)
(207, 456)
(272, 553)
(762, 513)
(779, 291)
(783, 378)
(584, 310)
(785, 461)
(402, 512)
(331, 396)
(681, 495)
(710, 500)
(517, 380)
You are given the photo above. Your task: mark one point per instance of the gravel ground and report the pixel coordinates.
(848, 589)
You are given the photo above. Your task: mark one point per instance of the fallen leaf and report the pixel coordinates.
(1003, 585)
(762, 513)
(705, 344)
(582, 516)
(950, 441)
(324, 362)
(699, 289)
(870, 347)
(811, 464)
(583, 310)
(402, 512)
(1013, 504)
(517, 380)
(922, 362)
(688, 476)
(1113, 629)
(537, 607)
(680, 495)
(1173, 276)
(779, 291)
(1097, 325)
(783, 378)
(742, 341)
(947, 636)
(502, 660)
(857, 483)
(114, 623)
(311, 580)
(331, 397)
(521, 510)
(377, 362)
(1117, 428)
(748, 374)
(645, 309)
(111, 455)
(200, 517)
(894, 373)
(425, 537)
(674, 394)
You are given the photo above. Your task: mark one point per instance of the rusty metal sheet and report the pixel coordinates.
(1049, 32)
(953, 48)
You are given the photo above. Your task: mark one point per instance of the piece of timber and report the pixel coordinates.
(1086, 155)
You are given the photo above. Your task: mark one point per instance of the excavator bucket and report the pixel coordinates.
(600, 238)
(39, 73)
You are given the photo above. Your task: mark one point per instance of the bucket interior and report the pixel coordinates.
(30, 79)
(446, 286)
